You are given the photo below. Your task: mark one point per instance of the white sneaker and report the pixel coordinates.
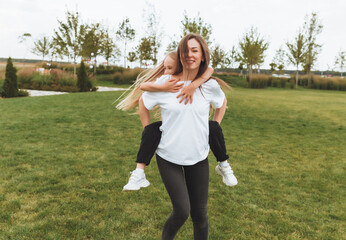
(136, 182)
(228, 177)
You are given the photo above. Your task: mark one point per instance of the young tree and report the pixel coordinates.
(109, 49)
(83, 82)
(132, 57)
(340, 61)
(173, 45)
(42, 47)
(252, 47)
(218, 56)
(92, 42)
(69, 37)
(296, 52)
(153, 30)
(144, 51)
(10, 87)
(125, 33)
(24, 38)
(312, 28)
(231, 57)
(196, 25)
(279, 60)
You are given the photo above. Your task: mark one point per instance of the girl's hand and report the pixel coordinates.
(187, 93)
(172, 86)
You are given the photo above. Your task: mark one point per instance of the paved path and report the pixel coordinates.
(36, 93)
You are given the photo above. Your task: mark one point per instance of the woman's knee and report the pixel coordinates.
(181, 213)
(199, 215)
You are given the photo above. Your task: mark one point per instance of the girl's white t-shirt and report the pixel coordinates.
(185, 128)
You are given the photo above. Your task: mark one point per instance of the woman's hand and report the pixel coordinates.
(172, 85)
(187, 93)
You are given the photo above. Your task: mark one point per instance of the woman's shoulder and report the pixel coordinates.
(163, 79)
(211, 83)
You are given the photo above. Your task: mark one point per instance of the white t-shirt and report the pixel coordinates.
(185, 128)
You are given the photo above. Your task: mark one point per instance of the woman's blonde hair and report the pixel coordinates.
(132, 99)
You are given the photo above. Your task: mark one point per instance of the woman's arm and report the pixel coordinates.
(144, 113)
(220, 112)
(169, 86)
(188, 91)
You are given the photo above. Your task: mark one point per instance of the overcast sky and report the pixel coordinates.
(276, 20)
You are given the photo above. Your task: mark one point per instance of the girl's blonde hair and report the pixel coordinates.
(132, 99)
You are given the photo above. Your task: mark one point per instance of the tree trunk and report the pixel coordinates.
(297, 77)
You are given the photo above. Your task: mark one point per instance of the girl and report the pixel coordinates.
(151, 135)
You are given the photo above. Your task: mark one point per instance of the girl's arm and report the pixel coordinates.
(220, 112)
(188, 91)
(169, 86)
(144, 113)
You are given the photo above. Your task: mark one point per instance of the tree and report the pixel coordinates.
(10, 87)
(83, 82)
(144, 51)
(153, 30)
(173, 45)
(42, 47)
(125, 33)
(279, 60)
(296, 52)
(273, 67)
(69, 37)
(252, 47)
(340, 61)
(109, 49)
(24, 38)
(196, 25)
(132, 57)
(92, 43)
(311, 29)
(218, 56)
(231, 57)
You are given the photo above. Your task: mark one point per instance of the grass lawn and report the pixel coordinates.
(64, 160)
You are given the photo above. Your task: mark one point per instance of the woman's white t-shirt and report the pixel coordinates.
(185, 128)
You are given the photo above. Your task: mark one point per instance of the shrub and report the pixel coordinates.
(10, 86)
(83, 82)
(128, 76)
(23, 93)
(258, 81)
(324, 83)
(283, 82)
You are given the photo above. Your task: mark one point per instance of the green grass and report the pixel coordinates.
(64, 160)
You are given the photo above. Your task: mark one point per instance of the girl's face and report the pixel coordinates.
(194, 56)
(169, 66)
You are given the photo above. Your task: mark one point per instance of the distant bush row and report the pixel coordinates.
(55, 80)
(264, 80)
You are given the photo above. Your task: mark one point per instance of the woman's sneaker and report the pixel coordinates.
(136, 182)
(228, 177)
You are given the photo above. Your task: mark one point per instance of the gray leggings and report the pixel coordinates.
(187, 186)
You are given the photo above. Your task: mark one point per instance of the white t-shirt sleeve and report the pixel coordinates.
(213, 93)
(151, 99)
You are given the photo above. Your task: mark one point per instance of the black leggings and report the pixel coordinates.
(151, 137)
(187, 186)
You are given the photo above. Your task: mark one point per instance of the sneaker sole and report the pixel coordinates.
(223, 178)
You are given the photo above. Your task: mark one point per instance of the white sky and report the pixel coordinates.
(276, 20)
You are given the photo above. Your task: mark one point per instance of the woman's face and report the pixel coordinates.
(169, 66)
(194, 57)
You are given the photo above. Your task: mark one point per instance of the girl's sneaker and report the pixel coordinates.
(228, 177)
(136, 182)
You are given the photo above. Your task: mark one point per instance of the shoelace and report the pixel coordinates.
(134, 177)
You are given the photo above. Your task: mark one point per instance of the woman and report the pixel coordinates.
(182, 155)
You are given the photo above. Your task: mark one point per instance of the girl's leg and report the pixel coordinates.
(218, 147)
(151, 137)
(217, 141)
(173, 178)
(197, 181)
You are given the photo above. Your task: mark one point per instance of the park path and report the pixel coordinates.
(37, 93)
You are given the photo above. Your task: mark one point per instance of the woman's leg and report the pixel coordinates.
(173, 177)
(197, 181)
(151, 137)
(217, 141)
